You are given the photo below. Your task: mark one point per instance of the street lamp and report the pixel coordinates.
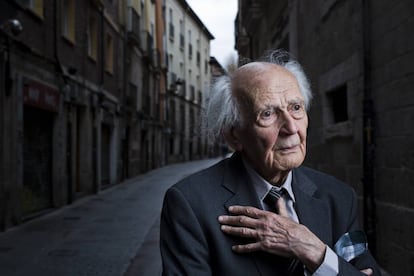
(8, 28)
(12, 25)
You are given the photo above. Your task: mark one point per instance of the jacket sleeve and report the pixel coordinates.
(364, 260)
(184, 249)
(361, 262)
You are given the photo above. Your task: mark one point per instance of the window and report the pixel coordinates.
(92, 38)
(68, 24)
(338, 104)
(171, 26)
(170, 63)
(173, 79)
(143, 15)
(109, 53)
(152, 34)
(198, 57)
(36, 6)
(192, 93)
(205, 67)
(121, 11)
(182, 35)
(190, 46)
(182, 27)
(190, 51)
(182, 68)
(200, 97)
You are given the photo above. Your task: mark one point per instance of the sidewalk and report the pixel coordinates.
(112, 233)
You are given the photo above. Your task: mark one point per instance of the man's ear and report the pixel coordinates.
(232, 138)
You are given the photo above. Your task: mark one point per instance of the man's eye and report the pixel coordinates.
(266, 114)
(297, 107)
(266, 117)
(297, 110)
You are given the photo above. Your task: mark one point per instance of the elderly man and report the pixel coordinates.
(260, 212)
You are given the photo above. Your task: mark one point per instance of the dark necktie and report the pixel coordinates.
(272, 197)
(295, 267)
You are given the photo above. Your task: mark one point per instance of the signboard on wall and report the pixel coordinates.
(42, 96)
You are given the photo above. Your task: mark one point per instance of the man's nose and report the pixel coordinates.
(288, 124)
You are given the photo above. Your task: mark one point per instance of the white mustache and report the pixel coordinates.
(288, 143)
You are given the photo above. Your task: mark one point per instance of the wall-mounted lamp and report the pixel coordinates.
(175, 86)
(12, 25)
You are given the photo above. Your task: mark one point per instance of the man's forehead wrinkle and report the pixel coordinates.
(258, 84)
(263, 75)
(252, 72)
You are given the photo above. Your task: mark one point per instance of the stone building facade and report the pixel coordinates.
(188, 48)
(358, 56)
(83, 90)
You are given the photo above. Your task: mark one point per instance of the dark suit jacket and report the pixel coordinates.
(193, 244)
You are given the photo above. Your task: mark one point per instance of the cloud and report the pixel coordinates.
(218, 16)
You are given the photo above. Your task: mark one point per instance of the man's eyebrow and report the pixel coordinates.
(296, 100)
(292, 101)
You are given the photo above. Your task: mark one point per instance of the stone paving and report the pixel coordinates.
(113, 233)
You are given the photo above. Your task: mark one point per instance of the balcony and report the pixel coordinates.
(133, 27)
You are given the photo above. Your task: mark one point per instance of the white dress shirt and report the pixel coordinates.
(330, 265)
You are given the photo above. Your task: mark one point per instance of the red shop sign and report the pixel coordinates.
(41, 96)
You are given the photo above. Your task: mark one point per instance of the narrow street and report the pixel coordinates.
(112, 233)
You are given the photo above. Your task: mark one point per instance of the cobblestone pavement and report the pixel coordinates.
(112, 233)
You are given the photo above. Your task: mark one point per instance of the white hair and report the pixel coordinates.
(222, 112)
(285, 59)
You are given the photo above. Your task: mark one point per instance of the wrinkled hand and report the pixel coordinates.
(273, 233)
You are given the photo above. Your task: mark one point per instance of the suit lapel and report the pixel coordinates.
(237, 181)
(312, 212)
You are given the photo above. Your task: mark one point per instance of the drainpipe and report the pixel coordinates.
(61, 73)
(368, 133)
(59, 68)
(100, 98)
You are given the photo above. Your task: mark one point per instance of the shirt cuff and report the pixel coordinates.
(329, 266)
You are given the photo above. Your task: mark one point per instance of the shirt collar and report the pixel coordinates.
(262, 187)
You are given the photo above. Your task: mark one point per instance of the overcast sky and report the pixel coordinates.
(218, 16)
